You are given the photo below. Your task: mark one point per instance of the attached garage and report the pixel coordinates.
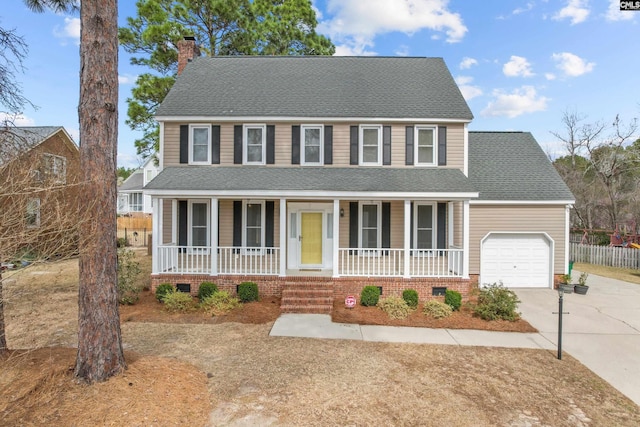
(518, 260)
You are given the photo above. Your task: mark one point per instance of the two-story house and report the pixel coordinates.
(131, 200)
(341, 172)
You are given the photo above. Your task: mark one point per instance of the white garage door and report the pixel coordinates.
(516, 260)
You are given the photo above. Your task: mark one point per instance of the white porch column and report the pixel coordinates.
(336, 237)
(567, 244)
(156, 226)
(450, 222)
(407, 238)
(465, 239)
(214, 237)
(283, 237)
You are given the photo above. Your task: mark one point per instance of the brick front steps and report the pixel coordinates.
(307, 298)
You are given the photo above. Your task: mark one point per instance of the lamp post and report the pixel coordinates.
(560, 313)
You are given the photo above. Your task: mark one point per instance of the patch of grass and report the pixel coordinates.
(627, 274)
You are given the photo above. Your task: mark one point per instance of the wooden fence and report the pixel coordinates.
(611, 256)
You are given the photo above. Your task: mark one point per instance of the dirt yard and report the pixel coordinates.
(202, 371)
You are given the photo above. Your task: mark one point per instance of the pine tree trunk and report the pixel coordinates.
(3, 339)
(100, 354)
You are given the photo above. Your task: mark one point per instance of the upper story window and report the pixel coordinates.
(312, 151)
(55, 168)
(425, 146)
(149, 175)
(255, 146)
(199, 144)
(370, 141)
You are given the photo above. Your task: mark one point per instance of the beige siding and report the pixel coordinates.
(166, 222)
(171, 146)
(397, 224)
(226, 222)
(516, 218)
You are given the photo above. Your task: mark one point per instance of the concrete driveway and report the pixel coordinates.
(602, 329)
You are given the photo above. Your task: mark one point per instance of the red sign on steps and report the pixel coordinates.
(350, 301)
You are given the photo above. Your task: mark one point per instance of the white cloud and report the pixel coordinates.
(16, 120)
(468, 91)
(576, 10)
(615, 14)
(572, 65)
(402, 50)
(517, 66)
(467, 63)
(126, 79)
(520, 10)
(354, 24)
(549, 76)
(519, 101)
(71, 29)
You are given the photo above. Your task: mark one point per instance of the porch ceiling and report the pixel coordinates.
(327, 181)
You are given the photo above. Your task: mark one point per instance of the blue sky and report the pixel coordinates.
(520, 64)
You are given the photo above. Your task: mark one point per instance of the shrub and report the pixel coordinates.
(219, 303)
(453, 299)
(248, 291)
(410, 296)
(128, 271)
(162, 290)
(206, 289)
(497, 302)
(121, 242)
(175, 301)
(369, 296)
(437, 309)
(395, 307)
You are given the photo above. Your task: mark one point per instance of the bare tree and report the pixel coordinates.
(576, 135)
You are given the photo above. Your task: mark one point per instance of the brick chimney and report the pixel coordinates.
(187, 50)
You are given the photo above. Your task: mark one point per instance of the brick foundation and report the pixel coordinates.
(342, 286)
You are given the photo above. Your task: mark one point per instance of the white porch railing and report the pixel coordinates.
(174, 259)
(390, 262)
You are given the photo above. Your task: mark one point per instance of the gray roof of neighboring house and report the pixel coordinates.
(512, 166)
(133, 182)
(310, 179)
(316, 86)
(17, 140)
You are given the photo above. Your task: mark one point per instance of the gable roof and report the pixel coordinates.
(316, 86)
(133, 182)
(15, 141)
(511, 166)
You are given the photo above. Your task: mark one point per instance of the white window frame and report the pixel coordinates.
(378, 225)
(192, 128)
(149, 174)
(303, 152)
(190, 204)
(136, 207)
(35, 212)
(416, 147)
(434, 223)
(56, 168)
(245, 203)
(245, 141)
(361, 161)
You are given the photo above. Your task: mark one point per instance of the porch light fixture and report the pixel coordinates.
(341, 212)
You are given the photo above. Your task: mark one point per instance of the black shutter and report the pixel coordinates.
(386, 226)
(237, 144)
(237, 223)
(353, 226)
(271, 144)
(184, 143)
(409, 146)
(411, 226)
(295, 145)
(328, 145)
(269, 226)
(442, 146)
(182, 222)
(215, 144)
(353, 146)
(386, 145)
(441, 238)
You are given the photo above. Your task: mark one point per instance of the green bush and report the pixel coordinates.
(395, 307)
(453, 299)
(162, 290)
(410, 296)
(175, 301)
(220, 302)
(121, 242)
(497, 302)
(437, 309)
(248, 291)
(206, 289)
(128, 271)
(369, 296)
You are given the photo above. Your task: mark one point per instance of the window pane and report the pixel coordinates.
(199, 215)
(330, 226)
(200, 153)
(370, 238)
(253, 215)
(369, 215)
(254, 136)
(199, 236)
(254, 153)
(370, 154)
(425, 137)
(425, 155)
(293, 221)
(425, 239)
(312, 137)
(200, 136)
(370, 137)
(253, 237)
(425, 216)
(312, 154)
(425, 145)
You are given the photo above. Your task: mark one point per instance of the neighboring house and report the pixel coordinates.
(131, 200)
(341, 172)
(40, 176)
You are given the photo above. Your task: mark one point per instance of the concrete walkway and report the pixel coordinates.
(602, 329)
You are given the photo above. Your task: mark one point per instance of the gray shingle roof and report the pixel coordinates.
(512, 166)
(17, 140)
(310, 179)
(133, 182)
(316, 86)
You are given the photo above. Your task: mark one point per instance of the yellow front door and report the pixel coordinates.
(311, 238)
